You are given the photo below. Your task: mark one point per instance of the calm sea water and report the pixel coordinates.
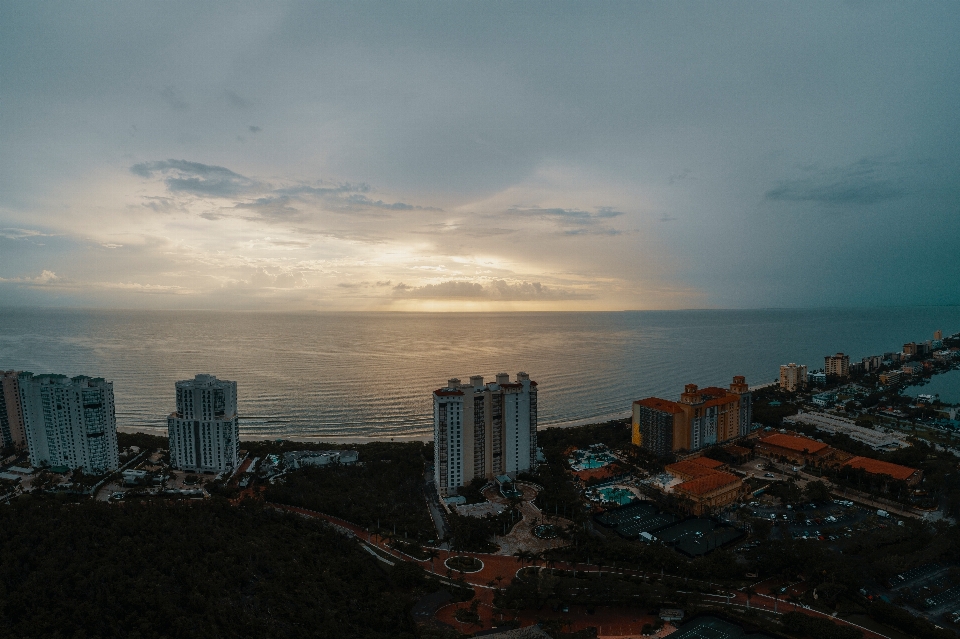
(371, 375)
(947, 386)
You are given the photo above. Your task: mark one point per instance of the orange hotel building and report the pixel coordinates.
(702, 417)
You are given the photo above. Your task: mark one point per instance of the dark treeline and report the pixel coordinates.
(386, 487)
(204, 570)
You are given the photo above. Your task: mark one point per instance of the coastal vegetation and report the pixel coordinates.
(206, 570)
(384, 491)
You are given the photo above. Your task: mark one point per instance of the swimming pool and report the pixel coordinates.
(618, 496)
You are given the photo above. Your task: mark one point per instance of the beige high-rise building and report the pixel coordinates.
(12, 433)
(793, 377)
(938, 335)
(483, 430)
(837, 365)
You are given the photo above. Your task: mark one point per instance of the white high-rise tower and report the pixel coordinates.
(204, 431)
(69, 422)
(483, 430)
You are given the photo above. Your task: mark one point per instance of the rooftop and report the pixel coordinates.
(707, 462)
(792, 442)
(689, 468)
(708, 483)
(662, 405)
(877, 467)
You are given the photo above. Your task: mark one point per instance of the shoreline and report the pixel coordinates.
(353, 439)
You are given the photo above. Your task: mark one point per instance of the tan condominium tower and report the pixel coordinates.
(793, 377)
(838, 365)
(483, 430)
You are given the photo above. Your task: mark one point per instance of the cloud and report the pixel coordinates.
(196, 178)
(45, 277)
(858, 184)
(159, 204)
(22, 234)
(355, 285)
(496, 290)
(254, 129)
(273, 208)
(173, 99)
(573, 221)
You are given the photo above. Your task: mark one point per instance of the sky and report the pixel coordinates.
(479, 156)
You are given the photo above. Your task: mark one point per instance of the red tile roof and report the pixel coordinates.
(714, 391)
(662, 405)
(709, 483)
(877, 467)
(443, 392)
(707, 462)
(688, 468)
(792, 442)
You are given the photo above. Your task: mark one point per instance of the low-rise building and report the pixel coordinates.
(911, 476)
(824, 399)
(302, 458)
(818, 378)
(705, 486)
(795, 449)
(876, 439)
(915, 368)
(710, 492)
(891, 378)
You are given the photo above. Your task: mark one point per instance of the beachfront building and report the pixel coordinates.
(837, 365)
(483, 430)
(703, 417)
(69, 422)
(12, 434)
(204, 431)
(793, 377)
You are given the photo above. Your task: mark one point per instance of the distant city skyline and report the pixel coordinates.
(479, 157)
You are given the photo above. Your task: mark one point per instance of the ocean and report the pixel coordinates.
(370, 375)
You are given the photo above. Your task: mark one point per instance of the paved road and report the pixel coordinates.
(430, 491)
(498, 569)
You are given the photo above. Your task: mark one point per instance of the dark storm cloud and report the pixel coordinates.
(859, 184)
(196, 178)
(497, 290)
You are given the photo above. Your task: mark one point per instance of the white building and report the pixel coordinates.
(483, 430)
(793, 377)
(876, 439)
(205, 431)
(69, 422)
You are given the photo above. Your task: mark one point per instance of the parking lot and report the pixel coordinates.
(823, 521)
